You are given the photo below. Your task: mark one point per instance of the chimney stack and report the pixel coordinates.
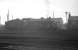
(8, 16)
(67, 16)
(53, 15)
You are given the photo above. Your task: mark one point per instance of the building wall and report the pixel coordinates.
(73, 22)
(34, 24)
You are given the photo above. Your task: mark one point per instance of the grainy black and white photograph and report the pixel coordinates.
(38, 24)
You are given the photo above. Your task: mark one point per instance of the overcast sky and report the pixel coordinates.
(37, 8)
